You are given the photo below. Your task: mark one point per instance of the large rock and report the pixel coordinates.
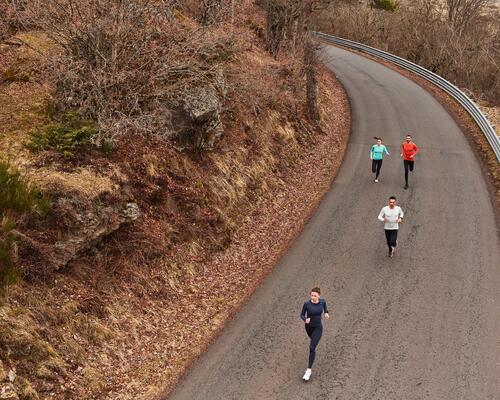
(202, 110)
(79, 225)
(94, 225)
(202, 104)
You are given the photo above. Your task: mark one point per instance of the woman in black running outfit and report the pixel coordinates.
(311, 315)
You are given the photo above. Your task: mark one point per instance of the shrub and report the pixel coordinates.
(128, 64)
(387, 5)
(258, 29)
(17, 197)
(13, 17)
(463, 50)
(68, 132)
(9, 271)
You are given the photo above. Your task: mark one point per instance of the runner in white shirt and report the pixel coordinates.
(391, 215)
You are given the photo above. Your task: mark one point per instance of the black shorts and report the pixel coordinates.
(409, 165)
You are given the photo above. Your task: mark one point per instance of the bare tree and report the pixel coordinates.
(465, 52)
(310, 58)
(289, 27)
(216, 11)
(461, 13)
(282, 25)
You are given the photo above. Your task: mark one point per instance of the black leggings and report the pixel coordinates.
(408, 166)
(391, 235)
(314, 332)
(376, 166)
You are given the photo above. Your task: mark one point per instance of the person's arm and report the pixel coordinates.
(401, 215)
(325, 309)
(416, 149)
(381, 216)
(402, 149)
(371, 153)
(303, 313)
(386, 151)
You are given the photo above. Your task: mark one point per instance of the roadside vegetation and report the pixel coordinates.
(159, 130)
(18, 198)
(457, 39)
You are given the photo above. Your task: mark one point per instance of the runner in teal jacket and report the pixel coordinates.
(376, 155)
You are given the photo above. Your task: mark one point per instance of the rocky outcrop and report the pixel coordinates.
(77, 225)
(202, 109)
(93, 225)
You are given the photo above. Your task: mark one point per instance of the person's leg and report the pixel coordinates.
(379, 166)
(315, 337)
(392, 234)
(374, 165)
(388, 238)
(406, 164)
(394, 240)
(395, 237)
(411, 164)
(309, 330)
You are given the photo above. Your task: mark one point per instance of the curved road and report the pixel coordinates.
(422, 325)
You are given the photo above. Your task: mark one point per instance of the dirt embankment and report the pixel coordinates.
(125, 319)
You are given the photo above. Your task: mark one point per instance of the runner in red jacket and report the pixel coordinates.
(408, 151)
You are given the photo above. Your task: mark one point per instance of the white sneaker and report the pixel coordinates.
(307, 375)
(376, 180)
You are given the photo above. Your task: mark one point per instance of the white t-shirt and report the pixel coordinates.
(392, 214)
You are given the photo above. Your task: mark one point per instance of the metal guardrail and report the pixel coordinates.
(442, 83)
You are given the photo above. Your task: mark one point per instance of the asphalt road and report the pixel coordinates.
(422, 325)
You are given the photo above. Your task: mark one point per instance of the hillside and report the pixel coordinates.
(170, 199)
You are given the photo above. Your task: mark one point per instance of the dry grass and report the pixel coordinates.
(115, 324)
(85, 182)
(21, 100)
(23, 110)
(493, 115)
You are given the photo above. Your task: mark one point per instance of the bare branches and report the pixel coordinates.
(289, 26)
(462, 13)
(459, 41)
(282, 25)
(128, 64)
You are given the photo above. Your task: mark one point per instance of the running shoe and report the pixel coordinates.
(406, 186)
(307, 375)
(389, 254)
(376, 180)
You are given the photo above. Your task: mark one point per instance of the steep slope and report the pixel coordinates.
(149, 247)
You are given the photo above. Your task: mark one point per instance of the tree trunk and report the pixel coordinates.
(311, 81)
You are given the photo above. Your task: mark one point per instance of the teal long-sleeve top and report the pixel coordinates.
(377, 152)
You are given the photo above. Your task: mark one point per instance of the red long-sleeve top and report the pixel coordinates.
(409, 150)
